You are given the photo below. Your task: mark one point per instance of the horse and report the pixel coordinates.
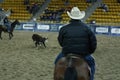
(39, 39)
(71, 67)
(12, 26)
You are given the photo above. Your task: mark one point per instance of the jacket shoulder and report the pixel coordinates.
(63, 26)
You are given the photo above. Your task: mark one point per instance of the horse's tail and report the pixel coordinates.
(70, 74)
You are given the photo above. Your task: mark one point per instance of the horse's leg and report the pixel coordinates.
(60, 68)
(84, 71)
(0, 35)
(59, 73)
(10, 35)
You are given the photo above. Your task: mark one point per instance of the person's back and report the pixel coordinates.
(76, 38)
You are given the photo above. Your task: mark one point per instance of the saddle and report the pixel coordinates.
(72, 55)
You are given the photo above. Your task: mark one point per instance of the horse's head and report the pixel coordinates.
(13, 25)
(17, 22)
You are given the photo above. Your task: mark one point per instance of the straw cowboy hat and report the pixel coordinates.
(76, 13)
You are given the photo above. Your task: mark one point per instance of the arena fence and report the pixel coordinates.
(97, 29)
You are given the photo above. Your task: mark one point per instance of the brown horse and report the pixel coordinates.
(71, 67)
(12, 26)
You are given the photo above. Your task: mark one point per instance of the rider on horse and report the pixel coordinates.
(77, 38)
(7, 23)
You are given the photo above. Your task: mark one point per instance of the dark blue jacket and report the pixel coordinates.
(77, 38)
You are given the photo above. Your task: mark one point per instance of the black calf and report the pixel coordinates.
(39, 40)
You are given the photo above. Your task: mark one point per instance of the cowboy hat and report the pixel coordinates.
(76, 13)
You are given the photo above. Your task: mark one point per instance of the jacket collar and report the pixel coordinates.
(73, 20)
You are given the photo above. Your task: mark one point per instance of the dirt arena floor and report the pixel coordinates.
(20, 60)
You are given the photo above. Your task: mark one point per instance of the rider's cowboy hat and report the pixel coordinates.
(76, 13)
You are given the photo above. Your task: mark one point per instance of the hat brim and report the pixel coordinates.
(81, 16)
